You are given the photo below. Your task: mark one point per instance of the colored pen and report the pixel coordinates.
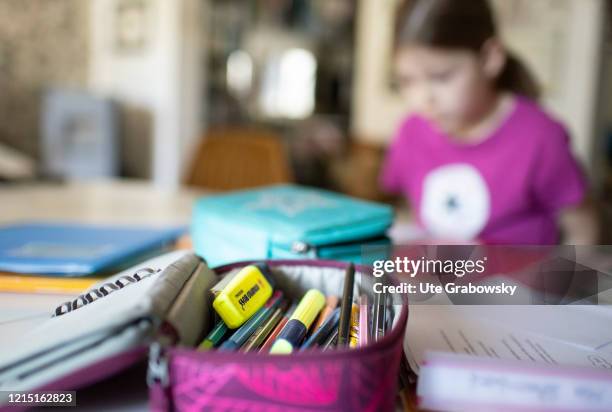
(245, 331)
(380, 313)
(364, 321)
(346, 307)
(332, 340)
(331, 302)
(214, 337)
(265, 348)
(297, 327)
(319, 336)
(257, 338)
(354, 330)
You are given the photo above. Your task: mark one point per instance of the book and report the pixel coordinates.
(76, 249)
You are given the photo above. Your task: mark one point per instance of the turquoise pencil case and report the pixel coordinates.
(287, 222)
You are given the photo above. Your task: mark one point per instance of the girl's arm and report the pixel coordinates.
(579, 224)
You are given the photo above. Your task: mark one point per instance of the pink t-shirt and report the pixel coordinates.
(507, 189)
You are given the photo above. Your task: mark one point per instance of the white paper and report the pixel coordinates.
(588, 326)
(457, 329)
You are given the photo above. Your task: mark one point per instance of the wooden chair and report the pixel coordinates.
(357, 172)
(239, 158)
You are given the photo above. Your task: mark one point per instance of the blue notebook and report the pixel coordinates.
(75, 249)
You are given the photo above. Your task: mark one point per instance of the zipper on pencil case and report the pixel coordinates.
(157, 372)
(305, 248)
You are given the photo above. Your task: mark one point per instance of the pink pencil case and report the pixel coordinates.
(360, 379)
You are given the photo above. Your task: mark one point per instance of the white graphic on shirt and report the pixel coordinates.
(455, 203)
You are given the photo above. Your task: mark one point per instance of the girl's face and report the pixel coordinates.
(448, 87)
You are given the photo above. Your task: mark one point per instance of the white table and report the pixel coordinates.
(105, 202)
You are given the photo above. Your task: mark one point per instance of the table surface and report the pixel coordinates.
(104, 202)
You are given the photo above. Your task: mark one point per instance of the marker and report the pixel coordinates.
(319, 336)
(262, 331)
(364, 321)
(297, 326)
(244, 295)
(245, 331)
(265, 348)
(346, 307)
(354, 330)
(214, 337)
(330, 304)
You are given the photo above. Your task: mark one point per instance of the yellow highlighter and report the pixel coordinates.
(296, 328)
(244, 295)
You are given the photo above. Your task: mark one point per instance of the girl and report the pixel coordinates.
(479, 159)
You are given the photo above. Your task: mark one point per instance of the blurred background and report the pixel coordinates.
(224, 94)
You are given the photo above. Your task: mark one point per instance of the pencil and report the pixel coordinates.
(330, 304)
(319, 337)
(265, 348)
(242, 334)
(364, 321)
(262, 332)
(332, 340)
(347, 305)
(378, 321)
(214, 337)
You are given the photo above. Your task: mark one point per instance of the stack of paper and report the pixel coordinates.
(515, 350)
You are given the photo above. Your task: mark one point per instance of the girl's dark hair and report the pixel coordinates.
(460, 24)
